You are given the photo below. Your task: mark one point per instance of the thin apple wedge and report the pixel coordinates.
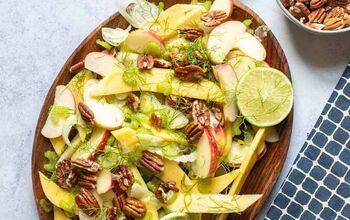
(223, 38)
(217, 184)
(251, 46)
(223, 5)
(104, 181)
(215, 203)
(228, 81)
(205, 90)
(64, 102)
(102, 64)
(137, 40)
(56, 195)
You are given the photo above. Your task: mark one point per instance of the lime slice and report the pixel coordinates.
(264, 96)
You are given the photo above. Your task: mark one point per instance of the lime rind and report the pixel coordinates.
(264, 96)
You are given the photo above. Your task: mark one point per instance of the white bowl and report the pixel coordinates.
(303, 26)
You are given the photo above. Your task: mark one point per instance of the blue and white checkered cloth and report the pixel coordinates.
(318, 184)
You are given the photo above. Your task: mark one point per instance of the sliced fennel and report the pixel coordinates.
(139, 13)
(114, 36)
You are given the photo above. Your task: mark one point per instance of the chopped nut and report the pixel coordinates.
(191, 33)
(194, 132)
(152, 161)
(161, 63)
(191, 73)
(317, 16)
(314, 4)
(163, 189)
(87, 202)
(66, 175)
(145, 62)
(133, 102)
(334, 24)
(77, 67)
(179, 103)
(87, 180)
(218, 113)
(296, 12)
(341, 3)
(347, 20)
(88, 166)
(200, 113)
(303, 8)
(125, 178)
(134, 208)
(156, 120)
(86, 113)
(317, 26)
(214, 18)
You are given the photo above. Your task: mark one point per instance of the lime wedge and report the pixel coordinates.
(264, 96)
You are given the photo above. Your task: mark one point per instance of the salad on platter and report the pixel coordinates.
(167, 121)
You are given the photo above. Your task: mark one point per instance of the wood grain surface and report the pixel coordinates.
(265, 173)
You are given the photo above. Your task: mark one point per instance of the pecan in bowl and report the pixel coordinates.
(87, 202)
(152, 161)
(190, 73)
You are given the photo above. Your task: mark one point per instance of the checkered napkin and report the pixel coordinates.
(318, 184)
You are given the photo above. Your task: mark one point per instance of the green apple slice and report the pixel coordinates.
(137, 40)
(56, 195)
(214, 203)
(223, 38)
(106, 115)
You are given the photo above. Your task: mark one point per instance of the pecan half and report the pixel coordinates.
(179, 103)
(161, 63)
(317, 16)
(303, 8)
(77, 67)
(314, 4)
(134, 208)
(163, 189)
(156, 120)
(190, 73)
(145, 62)
(133, 102)
(119, 201)
(200, 113)
(334, 24)
(87, 180)
(347, 20)
(191, 33)
(341, 3)
(317, 26)
(86, 113)
(152, 161)
(296, 12)
(87, 202)
(125, 178)
(86, 165)
(214, 18)
(66, 175)
(194, 132)
(218, 113)
(337, 12)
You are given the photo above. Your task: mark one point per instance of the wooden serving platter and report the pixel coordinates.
(265, 173)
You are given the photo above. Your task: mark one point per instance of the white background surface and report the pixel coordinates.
(36, 37)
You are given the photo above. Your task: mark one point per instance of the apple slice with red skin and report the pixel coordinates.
(207, 156)
(220, 138)
(137, 40)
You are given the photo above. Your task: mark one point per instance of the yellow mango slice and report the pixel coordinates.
(204, 90)
(175, 17)
(56, 195)
(58, 145)
(58, 214)
(126, 137)
(217, 184)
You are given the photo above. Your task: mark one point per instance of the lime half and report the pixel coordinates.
(264, 96)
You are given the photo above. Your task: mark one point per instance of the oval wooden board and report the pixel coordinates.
(265, 173)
